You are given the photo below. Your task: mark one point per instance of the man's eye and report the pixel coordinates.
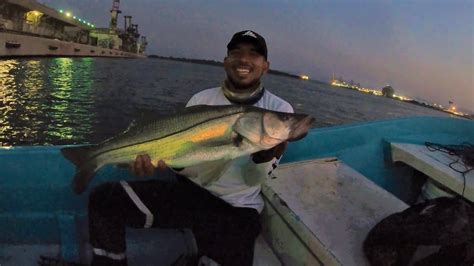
(234, 52)
(254, 53)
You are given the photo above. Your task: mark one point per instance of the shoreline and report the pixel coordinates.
(216, 63)
(281, 73)
(412, 101)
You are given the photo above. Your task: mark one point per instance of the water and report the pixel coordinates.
(52, 101)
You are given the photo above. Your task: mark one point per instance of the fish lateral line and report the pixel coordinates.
(155, 139)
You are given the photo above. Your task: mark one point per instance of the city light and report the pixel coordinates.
(70, 15)
(343, 84)
(33, 17)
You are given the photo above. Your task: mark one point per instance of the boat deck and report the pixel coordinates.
(319, 212)
(145, 248)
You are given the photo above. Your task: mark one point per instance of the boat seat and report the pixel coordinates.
(318, 212)
(435, 164)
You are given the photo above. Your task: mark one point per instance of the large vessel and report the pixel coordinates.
(28, 28)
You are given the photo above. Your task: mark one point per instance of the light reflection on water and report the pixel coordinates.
(56, 101)
(45, 100)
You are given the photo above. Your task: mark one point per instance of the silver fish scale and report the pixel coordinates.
(190, 117)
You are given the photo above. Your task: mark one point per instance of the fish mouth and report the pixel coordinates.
(300, 129)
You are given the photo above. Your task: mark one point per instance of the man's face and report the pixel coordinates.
(245, 66)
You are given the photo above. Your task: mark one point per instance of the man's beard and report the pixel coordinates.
(249, 95)
(236, 86)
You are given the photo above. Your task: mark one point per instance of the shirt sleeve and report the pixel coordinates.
(192, 101)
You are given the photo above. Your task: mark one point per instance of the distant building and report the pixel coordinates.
(388, 91)
(452, 107)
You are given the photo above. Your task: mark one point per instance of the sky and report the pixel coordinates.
(422, 48)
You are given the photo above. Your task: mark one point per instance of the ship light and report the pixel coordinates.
(304, 77)
(33, 17)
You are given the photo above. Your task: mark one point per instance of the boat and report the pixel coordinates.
(330, 189)
(29, 28)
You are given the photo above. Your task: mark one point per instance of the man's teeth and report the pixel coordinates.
(243, 70)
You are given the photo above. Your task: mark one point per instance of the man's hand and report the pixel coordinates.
(143, 167)
(268, 155)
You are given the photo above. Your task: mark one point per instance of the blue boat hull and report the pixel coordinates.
(37, 205)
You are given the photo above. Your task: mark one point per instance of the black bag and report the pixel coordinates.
(447, 223)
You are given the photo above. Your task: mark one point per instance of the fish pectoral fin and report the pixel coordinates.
(123, 165)
(215, 143)
(82, 178)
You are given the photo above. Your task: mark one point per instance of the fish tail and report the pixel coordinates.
(85, 169)
(77, 155)
(82, 178)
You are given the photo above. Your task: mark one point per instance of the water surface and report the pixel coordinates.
(51, 101)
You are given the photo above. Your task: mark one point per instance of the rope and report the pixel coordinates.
(464, 154)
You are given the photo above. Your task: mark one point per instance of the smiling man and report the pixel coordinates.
(245, 64)
(219, 201)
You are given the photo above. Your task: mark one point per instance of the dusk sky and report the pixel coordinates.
(421, 48)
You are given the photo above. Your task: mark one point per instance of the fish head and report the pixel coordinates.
(279, 127)
(267, 129)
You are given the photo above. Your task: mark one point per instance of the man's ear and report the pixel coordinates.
(266, 67)
(225, 60)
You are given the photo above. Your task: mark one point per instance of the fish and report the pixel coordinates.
(193, 136)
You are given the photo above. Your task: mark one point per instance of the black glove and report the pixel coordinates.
(267, 155)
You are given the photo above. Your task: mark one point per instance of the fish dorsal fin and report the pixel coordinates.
(131, 125)
(144, 117)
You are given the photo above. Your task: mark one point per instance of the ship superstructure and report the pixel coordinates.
(28, 28)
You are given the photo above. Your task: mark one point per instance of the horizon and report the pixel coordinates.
(422, 49)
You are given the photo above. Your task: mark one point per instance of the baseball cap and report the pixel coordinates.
(249, 37)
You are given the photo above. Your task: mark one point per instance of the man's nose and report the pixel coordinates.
(244, 57)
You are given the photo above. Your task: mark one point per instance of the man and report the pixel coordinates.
(223, 214)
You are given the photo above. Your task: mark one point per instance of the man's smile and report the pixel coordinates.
(243, 70)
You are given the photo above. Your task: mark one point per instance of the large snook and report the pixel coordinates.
(198, 134)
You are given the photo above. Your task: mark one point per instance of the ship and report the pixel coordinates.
(30, 29)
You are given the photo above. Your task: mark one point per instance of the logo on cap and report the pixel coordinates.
(250, 33)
